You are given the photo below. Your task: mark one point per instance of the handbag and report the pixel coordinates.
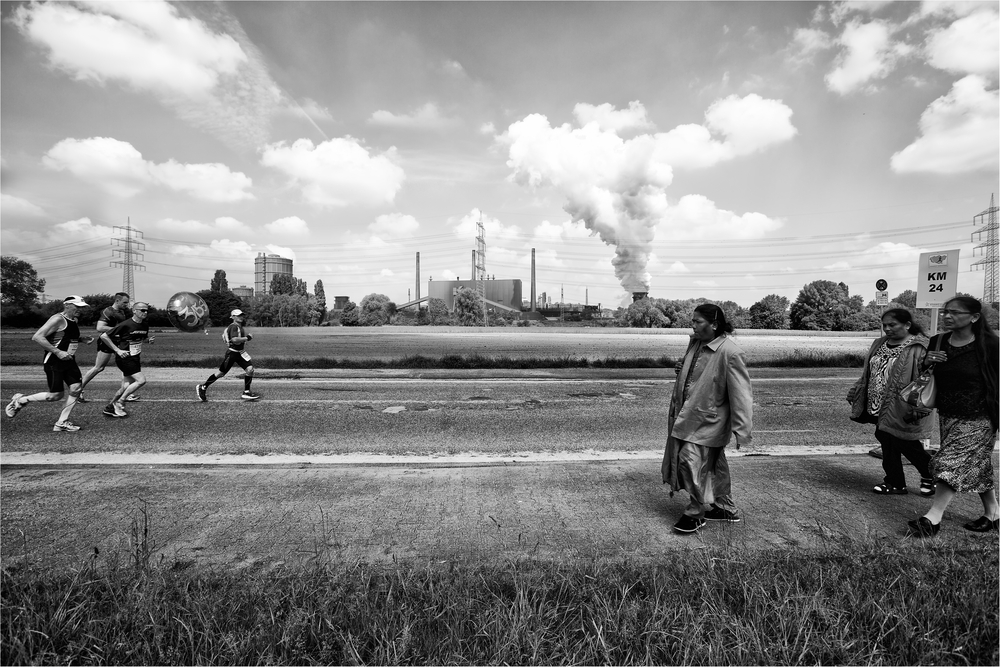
(922, 392)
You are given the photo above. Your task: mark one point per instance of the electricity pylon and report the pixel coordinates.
(988, 220)
(128, 254)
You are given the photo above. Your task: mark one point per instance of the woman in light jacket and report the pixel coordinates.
(711, 402)
(893, 362)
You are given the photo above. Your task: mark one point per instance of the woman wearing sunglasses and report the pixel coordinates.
(965, 371)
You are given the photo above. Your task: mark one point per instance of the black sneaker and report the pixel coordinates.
(688, 524)
(249, 396)
(202, 393)
(719, 514)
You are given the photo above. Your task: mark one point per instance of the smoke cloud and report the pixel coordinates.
(617, 187)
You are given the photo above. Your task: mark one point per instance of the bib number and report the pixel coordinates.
(245, 355)
(135, 348)
(71, 350)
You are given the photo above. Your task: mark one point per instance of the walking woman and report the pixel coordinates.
(711, 403)
(894, 360)
(965, 369)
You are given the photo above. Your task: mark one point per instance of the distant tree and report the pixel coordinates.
(220, 304)
(95, 304)
(320, 295)
(818, 306)
(375, 311)
(468, 308)
(678, 311)
(349, 316)
(643, 314)
(219, 282)
(736, 314)
(437, 312)
(300, 286)
(771, 312)
(907, 299)
(19, 282)
(283, 283)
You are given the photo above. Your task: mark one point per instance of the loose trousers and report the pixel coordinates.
(704, 473)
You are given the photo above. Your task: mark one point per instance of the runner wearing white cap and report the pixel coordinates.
(236, 338)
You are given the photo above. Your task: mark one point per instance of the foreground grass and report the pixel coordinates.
(876, 604)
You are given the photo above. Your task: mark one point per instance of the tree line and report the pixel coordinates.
(822, 305)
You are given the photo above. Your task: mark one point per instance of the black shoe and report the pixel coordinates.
(923, 527)
(982, 525)
(885, 489)
(927, 486)
(688, 524)
(202, 393)
(719, 514)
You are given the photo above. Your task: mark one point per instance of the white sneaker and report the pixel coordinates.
(133, 397)
(65, 426)
(249, 396)
(119, 409)
(14, 406)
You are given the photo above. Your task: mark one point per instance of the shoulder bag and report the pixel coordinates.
(922, 392)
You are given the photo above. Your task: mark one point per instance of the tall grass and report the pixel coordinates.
(853, 603)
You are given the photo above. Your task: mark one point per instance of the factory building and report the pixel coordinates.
(243, 292)
(507, 293)
(265, 268)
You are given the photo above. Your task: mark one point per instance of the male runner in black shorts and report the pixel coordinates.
(59, 337)
(110, 317)
(126, 340)
(236, 337)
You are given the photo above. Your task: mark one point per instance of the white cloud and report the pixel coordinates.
(868, 54)
(338, 172)
(314, 110)
(970, 45)
(567, 229)
(467, 228)
(676, 268)
(385, 273)
(81, 229)
(16, 206)
(697, 217)
(487, 128)
(290, 226)
(121, 170)
(427, 117)
(751, 123)
(231, 225)
(959, 132)
(281, 251)
(394, 225)
(183, 227)
(810, 41)
(214, 80)
(838, 266)
(894, 251)
(615, 120)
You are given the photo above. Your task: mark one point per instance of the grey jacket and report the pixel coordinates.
(894, 413)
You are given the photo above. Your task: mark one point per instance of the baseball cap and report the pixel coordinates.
(235, 313)
(75, 300)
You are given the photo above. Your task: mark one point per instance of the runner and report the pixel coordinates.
(59, 337)
(236, 337)
(125, 341)
(110, 317)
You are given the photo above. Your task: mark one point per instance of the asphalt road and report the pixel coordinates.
(426, 412)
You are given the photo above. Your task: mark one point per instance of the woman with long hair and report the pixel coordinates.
(965, 371)
(894, 360)
(712, 402)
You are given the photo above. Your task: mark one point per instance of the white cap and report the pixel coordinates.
(235, 313)
(75, 300)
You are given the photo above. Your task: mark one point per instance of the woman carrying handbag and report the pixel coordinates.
(894, 361)
(965, 370)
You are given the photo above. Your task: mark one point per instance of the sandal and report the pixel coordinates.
(927, 486)
(885, 489)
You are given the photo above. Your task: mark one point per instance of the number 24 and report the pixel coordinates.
(936, 288)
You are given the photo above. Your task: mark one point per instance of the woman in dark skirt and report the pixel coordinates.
(965, 370)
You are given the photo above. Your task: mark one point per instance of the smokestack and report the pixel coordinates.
(638, 296)
(417, 290)
(533, 302)
(473, 264)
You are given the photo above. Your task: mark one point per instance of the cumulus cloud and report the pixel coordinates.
(868, 54)
(338, 172)
(959, 132)
(290, 226)
(81, 229)
(17, 207)
(196, 227)
(487, 128)
(617, 187)
(394, 225)
(615, 120)
(467, 227)
(214, 79)
(121, 170)
(969, 45)
(698, 217)
(281, 251)
(427, 117)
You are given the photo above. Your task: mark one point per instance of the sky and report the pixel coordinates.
(725, 150)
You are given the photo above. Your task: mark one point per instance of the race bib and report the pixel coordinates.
(71, 350)
(245, 355)
(135, 348)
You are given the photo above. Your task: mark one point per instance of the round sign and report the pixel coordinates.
(188, 312)
(880, 285)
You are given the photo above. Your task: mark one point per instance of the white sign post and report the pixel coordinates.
(937, 281)
(881, 298)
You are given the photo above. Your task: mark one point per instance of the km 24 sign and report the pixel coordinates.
(937, 278)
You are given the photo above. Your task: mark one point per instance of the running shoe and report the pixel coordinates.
(66, 426)
(119, 410)
(249, 396)
(133, 397)
(81, 399)
(14, 406)
(688, 524)
(110, 411)
(720, 514)
(202, 392)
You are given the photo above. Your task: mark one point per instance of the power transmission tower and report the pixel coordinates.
(988, 220)
(128, 253)
(481, 264)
